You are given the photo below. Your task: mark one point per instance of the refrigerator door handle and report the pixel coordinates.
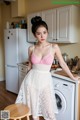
(11, 66)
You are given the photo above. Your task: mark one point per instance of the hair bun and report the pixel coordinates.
(36, 19)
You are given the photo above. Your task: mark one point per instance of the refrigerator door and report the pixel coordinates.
(22, 45)
(11, 78)
(11, 47)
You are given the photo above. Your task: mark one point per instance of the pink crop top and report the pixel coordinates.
(47, 59)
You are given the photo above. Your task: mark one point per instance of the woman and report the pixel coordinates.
(37, 88)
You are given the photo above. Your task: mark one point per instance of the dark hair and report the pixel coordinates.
(36, 23)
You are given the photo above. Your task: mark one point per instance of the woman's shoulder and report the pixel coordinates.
(54, 45)
(31, 48)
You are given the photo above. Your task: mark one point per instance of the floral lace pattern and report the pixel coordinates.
(37, 92)
(42, 106)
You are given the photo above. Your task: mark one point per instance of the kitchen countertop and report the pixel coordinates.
(61, 74)
(24, 64)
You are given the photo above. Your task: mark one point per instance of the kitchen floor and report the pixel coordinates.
(6, 97)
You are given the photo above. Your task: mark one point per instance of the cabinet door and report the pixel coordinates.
(31, 37)
(49, 17)
(18, 8)
(63, 24)
(21, 77)
(11, 75)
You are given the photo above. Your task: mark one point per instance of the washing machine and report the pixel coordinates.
(65, 98)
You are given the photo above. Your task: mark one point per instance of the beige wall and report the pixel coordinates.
(38, 5)
(31, 6)
(1, 49)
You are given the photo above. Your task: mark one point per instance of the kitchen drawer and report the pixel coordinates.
(23, 69)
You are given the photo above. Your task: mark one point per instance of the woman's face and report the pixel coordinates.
(41, 34)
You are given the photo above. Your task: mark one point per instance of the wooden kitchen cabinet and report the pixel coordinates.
(49, 16)
(23, 69)
(68, 24)
(63, 24)
(18, 8)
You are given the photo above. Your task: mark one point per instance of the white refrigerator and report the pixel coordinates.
(16, 51)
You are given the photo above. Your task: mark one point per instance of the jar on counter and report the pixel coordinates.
(65, 57)
(7, 25)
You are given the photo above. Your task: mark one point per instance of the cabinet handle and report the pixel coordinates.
(55, 39)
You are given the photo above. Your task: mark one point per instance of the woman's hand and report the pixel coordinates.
(29, 66)
(76, 78)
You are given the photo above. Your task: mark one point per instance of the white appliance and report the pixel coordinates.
(16, 51)
(65, 98)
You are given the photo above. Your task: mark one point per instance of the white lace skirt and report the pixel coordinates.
(37, 91)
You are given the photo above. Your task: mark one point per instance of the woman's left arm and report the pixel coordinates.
(63, 64)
